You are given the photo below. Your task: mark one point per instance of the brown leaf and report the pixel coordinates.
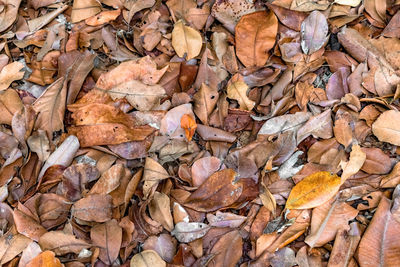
(62, 243)
(96, 208)
(377, 162)
(147, 258)
(318, 126)
(203, 168)
(186, 41)
(10, 103)
(205, 100)
(385, 130)
(9, 14)
(160, 210)
(83, 9)
(28, 226)
(289, 18)
(108, 237)
(10, 73)
(164, 245)
(45, 259)
(356, 161)
(379, 244)
(39, 143)
(254, 36)
(218, 191)
(313, 191)
(228, 250)
(238, 91)
(51, 107)
(153, 173)
(327, 220)
(392, 29)
(314, 31)
(189, 231)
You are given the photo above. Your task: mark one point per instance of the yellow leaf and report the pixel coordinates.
(186, 40)
(314, 190)
(238, 91)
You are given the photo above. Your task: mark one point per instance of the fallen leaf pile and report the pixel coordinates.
(199, 133)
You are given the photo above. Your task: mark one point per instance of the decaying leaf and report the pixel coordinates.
(187, 232)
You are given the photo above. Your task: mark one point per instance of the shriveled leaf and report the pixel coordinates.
(255, 35)
(238, 91)
(39, 143)
(186, 41)
(187, 232)
(313, 191)
(147, 258)
(314, 31)
(385, 129)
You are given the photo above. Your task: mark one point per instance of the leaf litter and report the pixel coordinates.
(199, 133)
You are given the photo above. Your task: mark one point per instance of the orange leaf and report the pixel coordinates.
(45, 259)
(314, 190)
(188, 123)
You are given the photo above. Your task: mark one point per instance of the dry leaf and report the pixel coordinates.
(160, 210)
(238, 91)
(189, 231)
(314, 31)
(10, 73)
(186, 41)
(83, 9)
(147, 258)
(313, 191)
(188, 123)
(385, 129)
(108, 237)
(356, 161)
(10, 103)
(44, 259)
(254, 36)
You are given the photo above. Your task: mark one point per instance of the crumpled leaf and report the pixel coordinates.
(314, 31)
(10, 73)
(255, 35)
(314, 190)
(39, 143)
(238, 91)
(385, 129)
(186, 41)
(189, 231)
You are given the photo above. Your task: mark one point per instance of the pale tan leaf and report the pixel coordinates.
(10, 73)
(186, 41)
(356, 161)
(385, 129)
(238, 91)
